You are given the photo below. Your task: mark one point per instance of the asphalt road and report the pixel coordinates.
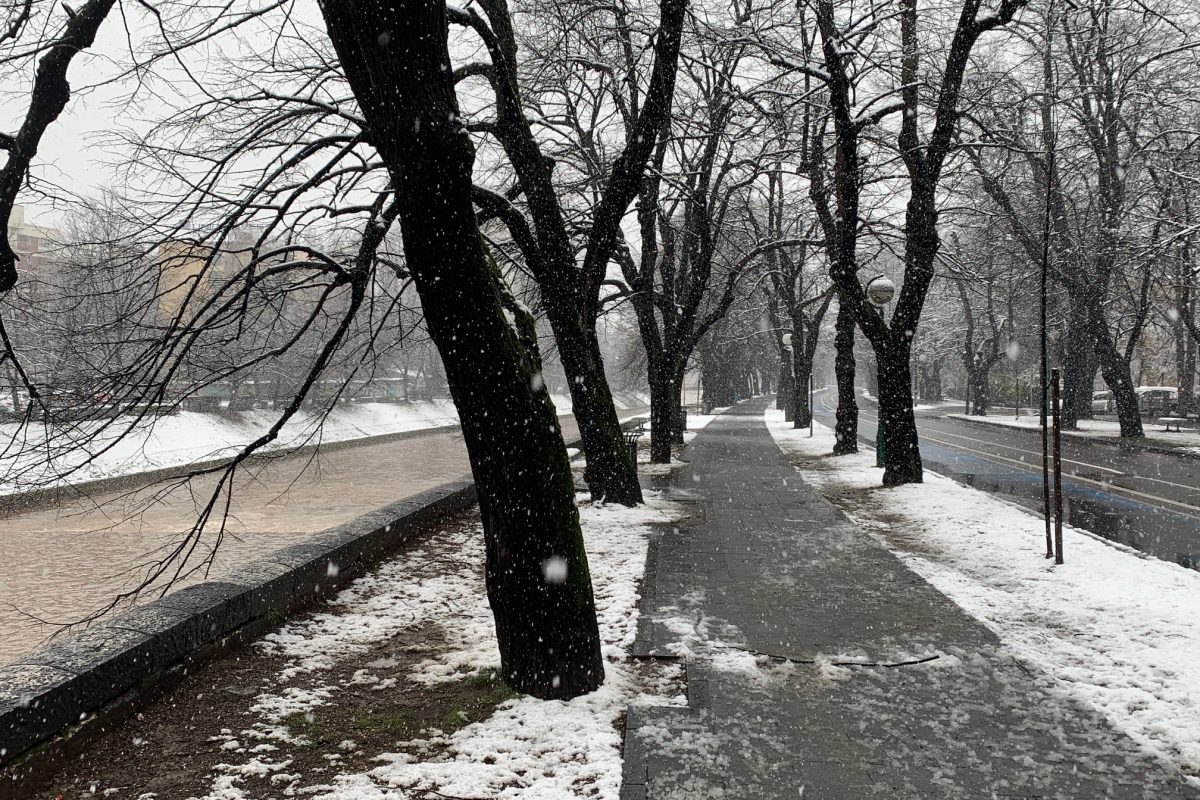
(1145, 499)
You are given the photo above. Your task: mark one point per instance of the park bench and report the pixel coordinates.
(1176, 423)
(631, 439)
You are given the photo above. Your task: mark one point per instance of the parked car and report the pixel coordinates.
(1156, 399)
(1102, 402)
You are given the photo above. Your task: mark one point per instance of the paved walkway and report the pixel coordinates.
(769, 592)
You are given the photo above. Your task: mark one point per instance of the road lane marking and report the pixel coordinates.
(1038, 455)
(1108, 487)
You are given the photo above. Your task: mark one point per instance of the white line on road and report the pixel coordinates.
(1106, 486)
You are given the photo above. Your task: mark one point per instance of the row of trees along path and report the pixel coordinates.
(691, 157)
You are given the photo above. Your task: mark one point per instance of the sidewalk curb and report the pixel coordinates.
(74, 686)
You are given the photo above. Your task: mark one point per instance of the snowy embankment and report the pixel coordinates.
(1115, 628)
(1186, 441)
(188, 437)
(527, 748)
(949, 402)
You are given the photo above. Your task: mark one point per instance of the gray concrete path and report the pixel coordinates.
(770, 593)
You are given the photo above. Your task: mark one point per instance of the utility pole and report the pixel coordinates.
(1048, 135)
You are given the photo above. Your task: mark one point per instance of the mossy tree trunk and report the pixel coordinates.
(901, 453)
(545, 619)
(846, 427)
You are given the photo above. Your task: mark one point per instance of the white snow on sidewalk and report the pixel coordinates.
(1113, 627)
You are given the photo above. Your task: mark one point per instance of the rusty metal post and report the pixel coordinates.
(1058, 500)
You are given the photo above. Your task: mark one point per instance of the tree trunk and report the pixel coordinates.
(571, 295)
(1187, 380)
(1078, 347)
(545, 617)
(1185, 345)
(1083, 399)
(980, 391)
(846, 427)
(802, 414)
(901, 455)
(676, 406)
(662, 416)
(783, 399)
(1120, 382)
(14, 389)
(610, 473)
(1115, 369)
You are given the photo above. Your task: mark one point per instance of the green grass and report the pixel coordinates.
(448, 707)
(390, 721)
(306, 724)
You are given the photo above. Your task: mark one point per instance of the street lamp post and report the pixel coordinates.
(922, 383)
(880, 291)
(791, 359)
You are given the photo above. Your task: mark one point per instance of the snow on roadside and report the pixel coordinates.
(527, 748)
(1187, 441)
(1113, 627)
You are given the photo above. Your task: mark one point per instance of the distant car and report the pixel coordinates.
(1102, 402)
(1156, 399)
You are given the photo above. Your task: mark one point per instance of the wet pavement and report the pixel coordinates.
(819, 666)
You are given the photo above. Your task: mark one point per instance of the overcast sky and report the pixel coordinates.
(75, 152)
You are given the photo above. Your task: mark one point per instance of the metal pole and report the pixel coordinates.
(1045, 359)
(879, 440)
(1058, 500)
(1017, 396)
(1047, 118)
(811, 409)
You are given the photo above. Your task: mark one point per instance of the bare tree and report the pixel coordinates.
(547, 631)
(571, 293)
(371, 135)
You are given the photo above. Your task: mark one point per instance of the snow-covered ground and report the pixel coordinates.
(187, 437)
(528, 748)
(949, 402)
(1187, 440)
(1114, 628)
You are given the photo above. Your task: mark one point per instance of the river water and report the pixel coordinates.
(58, 565)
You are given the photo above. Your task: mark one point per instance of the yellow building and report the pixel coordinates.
(33, 244)
(187, 264)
